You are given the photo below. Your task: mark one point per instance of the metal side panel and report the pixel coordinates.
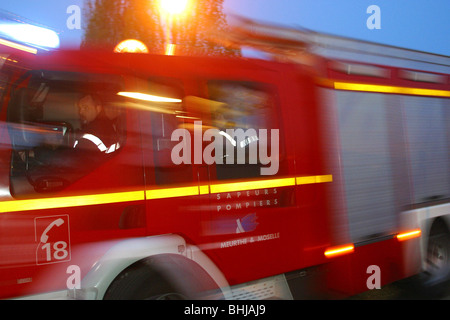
(272, 288)
(366, 164)
(427, 123)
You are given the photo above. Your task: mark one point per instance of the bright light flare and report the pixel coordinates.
(170, 49)
(147, 97)
(173, 7)
(131, 45)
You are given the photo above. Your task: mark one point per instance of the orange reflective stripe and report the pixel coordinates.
(160, 193)
(349, 86)
(71, 201)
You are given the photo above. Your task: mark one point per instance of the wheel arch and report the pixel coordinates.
(423, 218)
(182, 275)
(439, 222)
(129, 252)
(431, 224)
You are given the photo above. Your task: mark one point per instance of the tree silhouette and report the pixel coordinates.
(110, 21)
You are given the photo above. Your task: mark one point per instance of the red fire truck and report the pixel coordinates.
(234, 178)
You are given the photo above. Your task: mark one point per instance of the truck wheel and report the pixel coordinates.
(141, 283)
(166, 277)
(438, 259)
(434, 281)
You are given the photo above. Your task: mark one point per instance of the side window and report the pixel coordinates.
(62, 126)
(247, 121)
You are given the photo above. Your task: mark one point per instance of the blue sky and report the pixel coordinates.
(416, 24)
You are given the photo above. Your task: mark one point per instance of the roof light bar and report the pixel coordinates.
(30, 34)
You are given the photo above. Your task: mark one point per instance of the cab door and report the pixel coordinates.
(251, 190)
(173, 201)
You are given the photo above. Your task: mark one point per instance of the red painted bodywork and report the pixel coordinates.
(294, 232)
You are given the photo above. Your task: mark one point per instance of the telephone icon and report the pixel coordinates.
(52, 236)
(58, 222)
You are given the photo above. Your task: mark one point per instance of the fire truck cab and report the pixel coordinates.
(123, 197)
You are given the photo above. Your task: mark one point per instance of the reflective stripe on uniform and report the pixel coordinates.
(99, 143)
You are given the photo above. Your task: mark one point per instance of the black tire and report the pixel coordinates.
(162, 277)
